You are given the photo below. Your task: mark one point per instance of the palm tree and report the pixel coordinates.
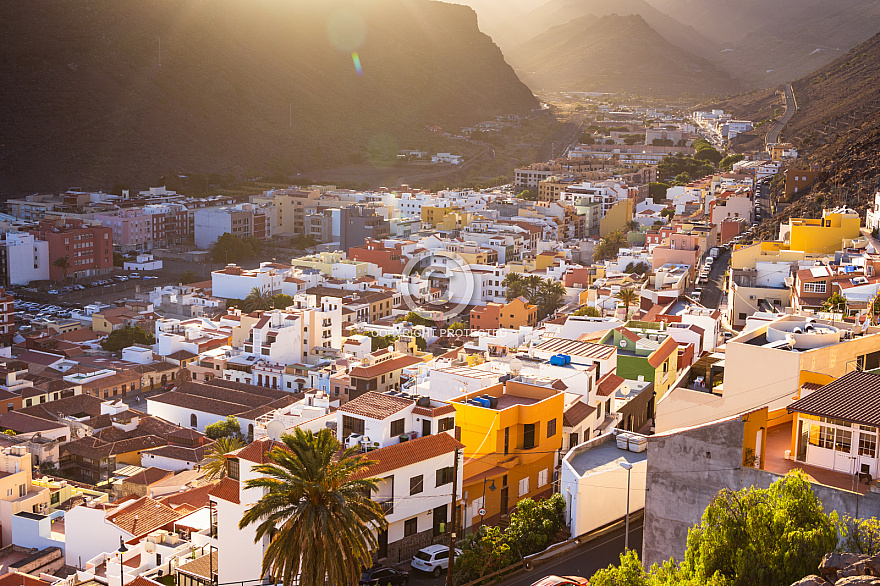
(628, 296)
(631, 226)
(216, 466)
(533, 285)
(317, 510)
(550, 297)
(514, 284)
(62, 263)
(256, 300)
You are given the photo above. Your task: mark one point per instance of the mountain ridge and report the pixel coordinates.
(100, 91)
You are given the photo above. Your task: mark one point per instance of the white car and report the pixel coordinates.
(432, 559)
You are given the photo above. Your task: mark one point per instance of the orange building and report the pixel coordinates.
(510, 315)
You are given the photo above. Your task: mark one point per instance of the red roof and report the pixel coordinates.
(226, 489)
(665, 350)
(376, 405)
(408, 453)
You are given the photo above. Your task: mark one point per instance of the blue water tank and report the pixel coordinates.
(557, 360)
(483, 401)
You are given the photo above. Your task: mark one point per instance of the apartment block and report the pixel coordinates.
(88, 248)
(243, 220)
(23, 258)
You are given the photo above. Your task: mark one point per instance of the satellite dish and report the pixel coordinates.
(624, 390)
(623, 343)
(275, 429)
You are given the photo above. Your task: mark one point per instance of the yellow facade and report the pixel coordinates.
(512, 447)
(446, 218)
(616, 218)
(324, 261)
(824, 235)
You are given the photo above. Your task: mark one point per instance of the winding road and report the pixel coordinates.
(790, 108)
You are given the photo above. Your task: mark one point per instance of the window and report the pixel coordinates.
(844, 441)
(529, 430)
(416, 484)
(22, 490)
(447, 423)
(352, 425)
(523, 486)
(193, 420)
(742, 316)
(867, 445)
(232, 468)
(410, 526)
(542, 477)
(397, 427)
(444, 475)
(506, 440)
(573, 440)
(818, 287)
(551, 427)
(54, 498)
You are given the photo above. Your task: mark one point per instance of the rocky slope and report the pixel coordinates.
(99, 91)
(617, 54)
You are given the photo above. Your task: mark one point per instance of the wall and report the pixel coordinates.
(687, 469)
(181, 415)
(88, 534)
(32, 533)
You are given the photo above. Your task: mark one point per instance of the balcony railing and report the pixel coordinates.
(387, 505)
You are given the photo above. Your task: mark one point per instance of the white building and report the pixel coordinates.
(143, 262)
(23, 259)
(244, 220)
(594, 483)
(234, 282)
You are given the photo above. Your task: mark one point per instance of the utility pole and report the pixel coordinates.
(454, 515)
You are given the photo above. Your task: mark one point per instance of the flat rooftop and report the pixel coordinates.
(506, 401)
(603, 458)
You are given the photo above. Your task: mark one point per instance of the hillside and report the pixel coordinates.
(100, 91)
(618, 54)
(519, 27)
(831, 100)
(768, 42)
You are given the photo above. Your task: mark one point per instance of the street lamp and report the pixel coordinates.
(122, 549)
(483, 506)
(628, 467)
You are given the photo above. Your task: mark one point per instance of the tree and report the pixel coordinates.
(588, 311)
(727, 162)
(760, 536)
(232, 249)
(628, 297)
(528, 195)
(380, 342)
(216, 456)
(125, 337)
(118, 259)
(631, 226)
(662, 142)
(587, 139)
(188, 277)
(835, 304)
(257, 300)
(514, 284)
(316, 509)
(62, 263)
(228, 427)
(708, 154)
(281, 301)
(682, 178)
(549, 298)
(417, 320)
(657, 191)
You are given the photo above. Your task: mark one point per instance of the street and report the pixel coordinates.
(712, 292)
(583, 561)
(790, 109)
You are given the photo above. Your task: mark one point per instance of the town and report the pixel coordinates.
(606, 337)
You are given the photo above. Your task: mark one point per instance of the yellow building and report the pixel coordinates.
(17, 492)
(616, 218)
(334, 264)
(511, 315)
(446, 218)
(531, 264)
(62, 491)
(511, 445)
(824, 235)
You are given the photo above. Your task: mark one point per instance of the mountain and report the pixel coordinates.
(616, 54)
(100, 91)
(768, 42)
(519, 27)
(832, 100)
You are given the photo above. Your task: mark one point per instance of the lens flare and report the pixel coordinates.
(357, 63)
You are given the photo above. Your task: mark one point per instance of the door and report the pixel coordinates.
(803, 440)
(505, 500)
(383, 545)
(426, 427)
(440, 516)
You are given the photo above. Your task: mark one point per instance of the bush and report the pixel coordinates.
(127, 336)
(229, 427)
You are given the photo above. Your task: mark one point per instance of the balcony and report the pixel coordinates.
(386, 504)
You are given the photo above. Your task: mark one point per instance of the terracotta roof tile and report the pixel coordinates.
(201, 566)
(576, 414)
(20, 579)
(666, 349)
(227, 490)
(142, 516)
(408, 453)
(428, 412)
(194, 497)
(608, 384)
(149, 476)
(258, 451)
(376, 405)
(384, 367)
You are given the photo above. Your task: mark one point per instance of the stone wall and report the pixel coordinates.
(687, 468)
(47, 561)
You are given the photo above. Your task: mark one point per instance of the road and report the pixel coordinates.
(790, 108)
(586, 560)
(712, 292)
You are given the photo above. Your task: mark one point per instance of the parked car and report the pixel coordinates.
(134, 275)
(562, 581)
(432, 559)
(383, 576)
